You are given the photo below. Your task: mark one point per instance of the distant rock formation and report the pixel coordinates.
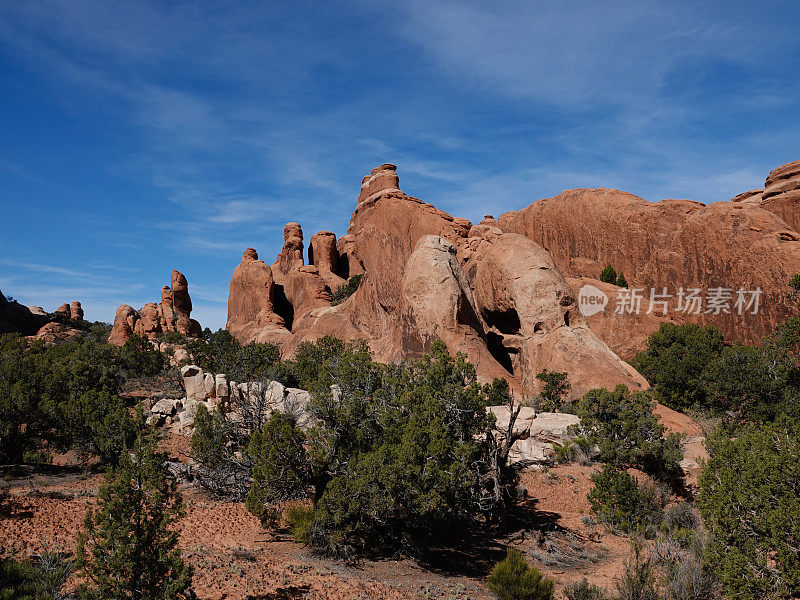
(497, 297)
(173, 313)
(33, 321)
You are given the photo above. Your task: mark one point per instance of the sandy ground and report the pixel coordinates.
(235, 558)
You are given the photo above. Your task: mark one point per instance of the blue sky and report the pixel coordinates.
(138, 137)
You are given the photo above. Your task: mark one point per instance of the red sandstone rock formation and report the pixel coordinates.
(76, 311)
(624, 332)
(171, 314)
(497, 297)
(251, 302)
(672, 244)
(782, 193)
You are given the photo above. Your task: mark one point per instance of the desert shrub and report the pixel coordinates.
(97, 424)
(397, 455)
(139, 358)
(220, 352)
(621, 281)
(344, 291)
(223, 467)
(513, 579)
(34, 580)
(555, 389)
(681, 516)
(281, 469)
(608, 275)
(565, 453)
(675, 363)
(300, 519)
(129, 542)
(638, 579)
(174, 337)
(621, 502)
(628, 434)
(583, 590)
(750, 381)
(750, 502)
(37, 380)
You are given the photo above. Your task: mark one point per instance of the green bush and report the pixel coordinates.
(300, 519)
(98, 424)
(513, 579)
(344, 291)
(608, 275)
(139, 358)
(750, 502)
(224, 467)
(34, 580)
(281, 469)
(621, 502)
(675, 363)
(555, 389)
(220, 352)
(583, 590)
(628, 434)
(621, 281)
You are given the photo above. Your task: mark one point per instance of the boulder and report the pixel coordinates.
(194, 383)
(63, 310)
(538, 432)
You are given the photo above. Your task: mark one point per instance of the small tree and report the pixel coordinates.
(628, 433)
(618, 500)
(129, 548)
(608, 275)
(513, 579)
(750, 503)
(281, 469)
(621, 281)
(140, 358)
(555, 390)
(223, 467)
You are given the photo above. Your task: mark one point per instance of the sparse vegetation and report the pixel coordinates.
(514, 579)
(621, 502)
(608, 275)
(554, 391)
(344, 291)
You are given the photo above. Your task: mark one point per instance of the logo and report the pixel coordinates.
(591, 300)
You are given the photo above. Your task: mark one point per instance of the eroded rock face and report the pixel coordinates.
(624, 332)
(428, 275)
(292, 254)
(124, 322)
(672, 244)
(782, 193)
(324, 255)
(173, 313)
(532, 317)
(14, 317)
(251, 302)
(76, 311)
(382, 179)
